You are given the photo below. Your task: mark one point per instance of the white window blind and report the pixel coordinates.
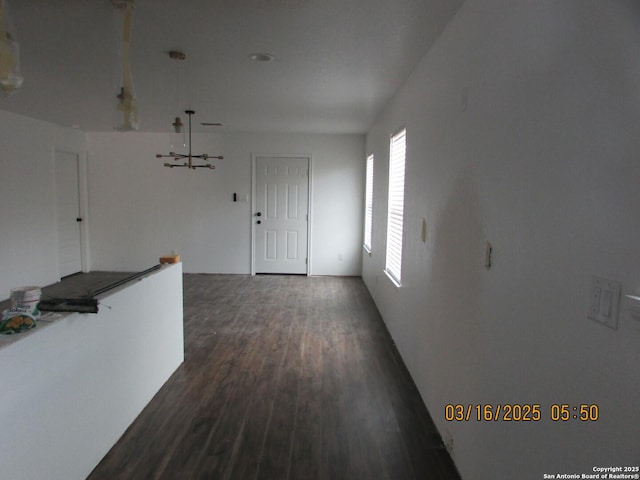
(368, 204)
(395, 217)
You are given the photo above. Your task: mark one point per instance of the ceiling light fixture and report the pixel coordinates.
(178, 128)
(179, 156)
(126, 113)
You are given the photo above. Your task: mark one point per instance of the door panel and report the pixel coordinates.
(271, 243)
(282, 201)
(68, 213)
(292, 245)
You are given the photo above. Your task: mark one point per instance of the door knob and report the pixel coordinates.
(259, 214)
(259, 222)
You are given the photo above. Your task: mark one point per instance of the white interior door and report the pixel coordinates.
(68, 213)
(281, 216)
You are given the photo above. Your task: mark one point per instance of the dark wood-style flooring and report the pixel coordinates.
(285, 378)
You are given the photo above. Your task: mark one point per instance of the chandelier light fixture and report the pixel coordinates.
(126, 105)
(178, 137)
(10, 76)
(189, 157)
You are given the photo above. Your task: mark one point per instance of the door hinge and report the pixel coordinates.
(306, 261)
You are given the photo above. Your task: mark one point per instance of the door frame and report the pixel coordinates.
(83, 201)
(254, 160)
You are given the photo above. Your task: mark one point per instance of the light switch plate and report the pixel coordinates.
(604, 301)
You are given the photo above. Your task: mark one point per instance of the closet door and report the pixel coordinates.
(68, 213)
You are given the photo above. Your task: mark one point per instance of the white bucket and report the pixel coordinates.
(25, 299)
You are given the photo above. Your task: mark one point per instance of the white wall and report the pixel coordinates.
(28, 253)
(544, 164)
(141, 210)
(71, 388)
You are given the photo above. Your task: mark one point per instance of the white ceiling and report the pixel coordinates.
(337, 61)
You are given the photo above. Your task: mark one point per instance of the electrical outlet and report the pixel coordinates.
(604, 301)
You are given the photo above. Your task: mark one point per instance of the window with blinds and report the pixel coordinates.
(395, 216)
(368, 204)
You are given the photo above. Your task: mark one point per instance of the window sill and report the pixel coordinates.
(393, 280)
